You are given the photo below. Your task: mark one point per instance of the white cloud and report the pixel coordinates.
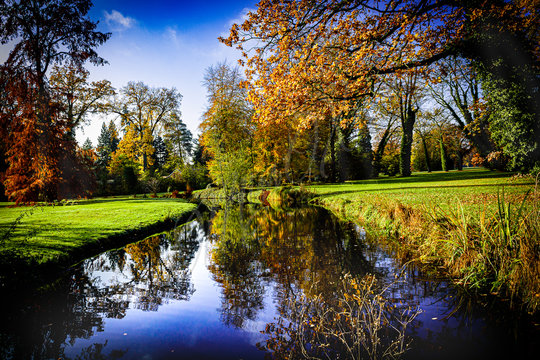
(117, 21)
(239, 19)
(173, 35)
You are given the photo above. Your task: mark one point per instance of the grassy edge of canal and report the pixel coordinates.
(40, 241)
(478, 227)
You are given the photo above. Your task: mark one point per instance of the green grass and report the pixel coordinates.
(56, 234)
(472, 187)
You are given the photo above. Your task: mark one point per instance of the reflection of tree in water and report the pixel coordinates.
(146, 273)
(156, 276)
(40, 328)
(302, 250)
(236, 268)
(96, 352)
(142, 275)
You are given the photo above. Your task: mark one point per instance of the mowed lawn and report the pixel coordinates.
(474, 189)
(42, 234)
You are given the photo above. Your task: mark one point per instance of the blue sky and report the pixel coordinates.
(164, 44)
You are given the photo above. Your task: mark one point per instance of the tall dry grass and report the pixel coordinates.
(495, 251)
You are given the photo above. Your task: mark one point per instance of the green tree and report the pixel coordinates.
(125, 171)
(104, 147)
(113, 133)
(161, 153)
(87, 144)
(227, 128)
(513, 112)
(176, 133)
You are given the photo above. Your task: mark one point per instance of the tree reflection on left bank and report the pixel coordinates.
(143, 276)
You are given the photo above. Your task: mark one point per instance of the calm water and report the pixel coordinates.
(219, 288)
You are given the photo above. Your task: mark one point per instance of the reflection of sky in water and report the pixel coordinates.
(180, 328)
(183, 313)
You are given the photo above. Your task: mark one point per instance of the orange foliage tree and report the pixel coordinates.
(39, 155)
(321, 57)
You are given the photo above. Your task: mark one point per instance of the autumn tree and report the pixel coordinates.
(227, 128)
(78, 98)
(322, 56)
(199, 155)
(143, 110)
(44, 33)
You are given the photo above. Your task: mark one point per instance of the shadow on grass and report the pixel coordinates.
(127, 200)
(415, 188)
(470, 174)
(92, 202)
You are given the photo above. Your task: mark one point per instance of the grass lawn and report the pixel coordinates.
(62, 233)
(474, 188)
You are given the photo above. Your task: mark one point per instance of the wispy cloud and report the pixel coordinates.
(172, 34)
(117, 21)
(239, 19)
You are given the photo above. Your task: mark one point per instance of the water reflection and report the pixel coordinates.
(220, 286)
(304, 251)
(143, 275)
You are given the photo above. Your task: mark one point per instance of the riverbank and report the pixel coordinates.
(46, 238)
(480, 228)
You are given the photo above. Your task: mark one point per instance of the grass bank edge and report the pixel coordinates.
(31, 250)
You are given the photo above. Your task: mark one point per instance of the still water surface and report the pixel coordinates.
(210, 289)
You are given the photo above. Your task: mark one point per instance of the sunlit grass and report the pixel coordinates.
(471, 187)
(42, 233)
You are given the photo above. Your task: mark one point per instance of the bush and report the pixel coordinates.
(390, 164)
(195, 176)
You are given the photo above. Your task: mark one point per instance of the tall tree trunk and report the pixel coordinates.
(333, 153)
(345, 160)
(443, 154)
(426, 153)
(379, 152)
(407, 125)
(459, 162)
(144, 161)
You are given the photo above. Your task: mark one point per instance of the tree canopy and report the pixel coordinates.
(42, 160)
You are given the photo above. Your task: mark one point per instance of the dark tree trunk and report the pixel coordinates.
(379, 152)
(459, 162)
(406, 143)
(480, 140)
(333, 153)
(426, 153)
